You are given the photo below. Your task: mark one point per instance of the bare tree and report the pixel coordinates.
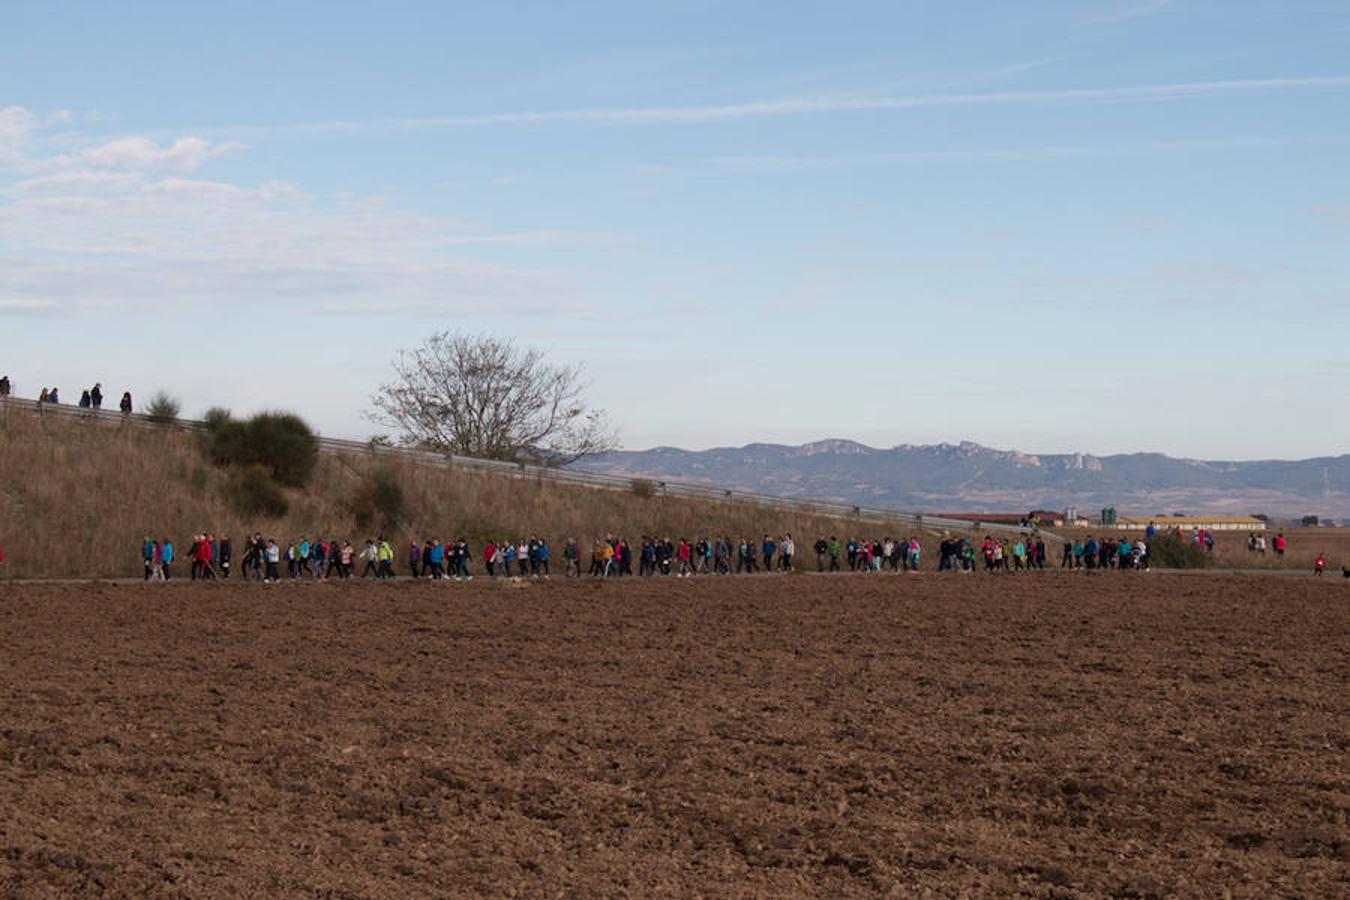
(476, 395)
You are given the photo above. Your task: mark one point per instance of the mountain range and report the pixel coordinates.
(969, 478)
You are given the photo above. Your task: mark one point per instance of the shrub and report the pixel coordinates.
(215, 417)
(379, 501)
(253, 492)
(280, 442)
(163, 408)
(1167, 551)
(643, 487)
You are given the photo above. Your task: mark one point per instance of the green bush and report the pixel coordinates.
(1167, 551)
(379, 502)
(215, 417)
(163, 408)
(279, 442)
(253, 492)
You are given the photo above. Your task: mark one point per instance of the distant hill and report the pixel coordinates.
(968, 477)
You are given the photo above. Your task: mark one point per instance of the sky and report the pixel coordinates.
(1102, 225)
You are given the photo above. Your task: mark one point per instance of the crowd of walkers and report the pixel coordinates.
(216, 556)
(212, 556)
(1256, 543)
(1105, 554)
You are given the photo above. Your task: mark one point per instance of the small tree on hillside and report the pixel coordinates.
(482, 396)
(163, 407)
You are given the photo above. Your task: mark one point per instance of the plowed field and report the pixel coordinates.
(1065, 735)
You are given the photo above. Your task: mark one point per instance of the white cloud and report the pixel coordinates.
(183, 155)
(16, 129)
(139, 154)
(124, 224)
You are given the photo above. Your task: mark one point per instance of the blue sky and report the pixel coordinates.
(1105, 225)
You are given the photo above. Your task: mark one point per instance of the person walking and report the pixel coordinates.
(148, 556)
(166, 557)
(259, 558)
(273, 556)
(96, 396)
(608, 552)
(435, 560)
(318, 554)
(226, 552)
(462, 555)
(1319, 565)
(384, 554)
(368, 555)
(125, 405)
(204, 568)
(685, 554)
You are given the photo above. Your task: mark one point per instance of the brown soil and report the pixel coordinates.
(1124, 735)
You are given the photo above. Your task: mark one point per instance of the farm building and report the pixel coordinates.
(1189, 523)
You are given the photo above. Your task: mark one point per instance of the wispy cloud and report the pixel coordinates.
(800, 106)
(769, 164)
(1132, 11)
(1338, 214)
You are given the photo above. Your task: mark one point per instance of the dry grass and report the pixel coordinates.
(76, 498)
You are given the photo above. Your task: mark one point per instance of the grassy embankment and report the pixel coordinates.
(76, 497)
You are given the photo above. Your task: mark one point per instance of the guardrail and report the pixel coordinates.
(690, 490)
